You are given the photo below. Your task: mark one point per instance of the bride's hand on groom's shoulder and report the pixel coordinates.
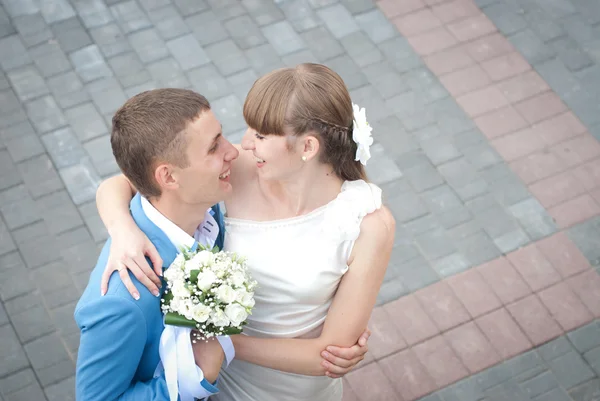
(128, 250)
(339, 361)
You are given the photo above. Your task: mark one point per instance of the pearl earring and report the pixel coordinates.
(303, 158)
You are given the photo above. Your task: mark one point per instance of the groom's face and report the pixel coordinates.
(206, 178)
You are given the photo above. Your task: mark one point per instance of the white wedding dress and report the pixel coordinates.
(298, 263)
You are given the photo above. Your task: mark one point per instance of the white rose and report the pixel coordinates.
(200, 313)
(178, 262)
(204, 258)
(238, 279)
(226, 294)
(236, 313)
(206, 279)
(219, 319)
(180, 290)
(246, 299)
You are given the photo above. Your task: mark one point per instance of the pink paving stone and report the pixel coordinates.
(408, 376)
(410, 318)
(448, 60)
(557, 189)
(596, 195)
(577, 150)
(440, 361)
(472, 347)
(482, 101)
(534, 320)
(489, 47)
(541, 107)
(504, 334)
(518, 144)
(455, 10)
(418, 22)
(370, 383)
(533, 266)
(471, 28)
(565, 307)
(433, 41)
(504, 280)
(474, 293)
(349, 394)
(440, 303)
(574, 211)
(586, 286)
(394, 8)
(435, 2)
(589, 174)
(500, 122)
(506, 66)
(465, 80)
(385, 338)
(523, 86)
(537, 166)
(559, 128)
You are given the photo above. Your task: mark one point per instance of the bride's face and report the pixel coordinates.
(275, 156)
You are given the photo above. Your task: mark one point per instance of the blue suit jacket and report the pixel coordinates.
(118, 350)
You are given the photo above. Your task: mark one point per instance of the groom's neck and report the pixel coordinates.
(185, 216)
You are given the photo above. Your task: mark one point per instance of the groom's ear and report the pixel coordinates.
(311, 146)
(164, 176)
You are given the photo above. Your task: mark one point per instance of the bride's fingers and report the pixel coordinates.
(347, 353)
(104, 280)
(124, 274)
(140, 274)
(145, 268)
(336, 361)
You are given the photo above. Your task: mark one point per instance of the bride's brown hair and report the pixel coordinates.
(309, 97)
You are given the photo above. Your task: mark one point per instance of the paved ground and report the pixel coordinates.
(487, 122)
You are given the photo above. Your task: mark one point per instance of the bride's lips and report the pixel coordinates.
(259, 162)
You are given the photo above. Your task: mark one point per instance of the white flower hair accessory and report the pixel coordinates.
(361, 134)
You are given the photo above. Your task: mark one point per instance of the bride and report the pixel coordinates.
(314, 231)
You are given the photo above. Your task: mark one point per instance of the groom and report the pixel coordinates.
(169, 144)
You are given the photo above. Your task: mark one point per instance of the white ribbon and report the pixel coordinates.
(182, 374)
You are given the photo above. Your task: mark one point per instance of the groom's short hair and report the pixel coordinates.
(150, 129)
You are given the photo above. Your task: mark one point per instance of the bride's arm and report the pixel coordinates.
(129, 244)
(349, 311)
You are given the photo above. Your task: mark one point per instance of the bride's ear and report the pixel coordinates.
(311, 147)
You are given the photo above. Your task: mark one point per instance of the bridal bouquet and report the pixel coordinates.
(209, 291)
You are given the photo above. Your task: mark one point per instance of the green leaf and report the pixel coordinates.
(231, 331)
(194, 276)
(175, 319)
(168, 297)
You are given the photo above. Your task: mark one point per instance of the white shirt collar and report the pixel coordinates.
(206, 233)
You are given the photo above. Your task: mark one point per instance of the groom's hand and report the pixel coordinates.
(209, 357)
(339, 361)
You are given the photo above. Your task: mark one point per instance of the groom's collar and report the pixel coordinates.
(176, 235)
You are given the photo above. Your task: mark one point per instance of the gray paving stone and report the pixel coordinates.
(593, 359)
(15, 278)
(209, 82)
(400, 54)
(416, 274)
(18, 209)
(61, 391)
(16, 8)
(244, 32)
(435, 244)
(441, 199)
(32, 29)
(586, 236)
(36, 236)
(569, 52)
(555, 348)
(229, 111)
(32, 323)
(9, 176)
(407, 206)
(45, 352)
(338, 20)
(423, 177)
(384, 77)
(511, 241)
(506, 18)
(226, 9)
(263, 12)
(100, 152)
(589, 391)
(478, 249)
(74, 237)
(377, 27)
(465, 390)
(531, 46)
(168, 21)
(148, 45)
(53, 277)
(189, 7)
(50, 59)
(242, 82)
(391, 290)
(71, 34)
(39, 176)
(129, 70)
(17, 381)
(93, 13)
(6, 242)
(67, 89)
(533, 218)
(81, 258)
(12, 357)
(45, 114)
(86, 122)
(81, 181)
(450, 265)
(27, 83)
(6, 27)
(56, 10)
(283, 38)
(63, 147)
(509, 190)
(321, 3)
(560, 79)
(299, 57)
(360, 48)
(300, 14)
(539, 384)
(418, 226)
(396, 140)
(507, 391)
(585, 338)
(227, 57)
(322, 44)
(58, 212)
(129, 16)
(150, 5)
(263, 59)
(452, 218)
(557, 394)
(207, 28)
(107, 95)
(458, 172)
(358, 6)
(376, 109)
(92, 220)
(188, 52)
(382, 169)
(110, 39)
(571, 370)
(347, 69)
